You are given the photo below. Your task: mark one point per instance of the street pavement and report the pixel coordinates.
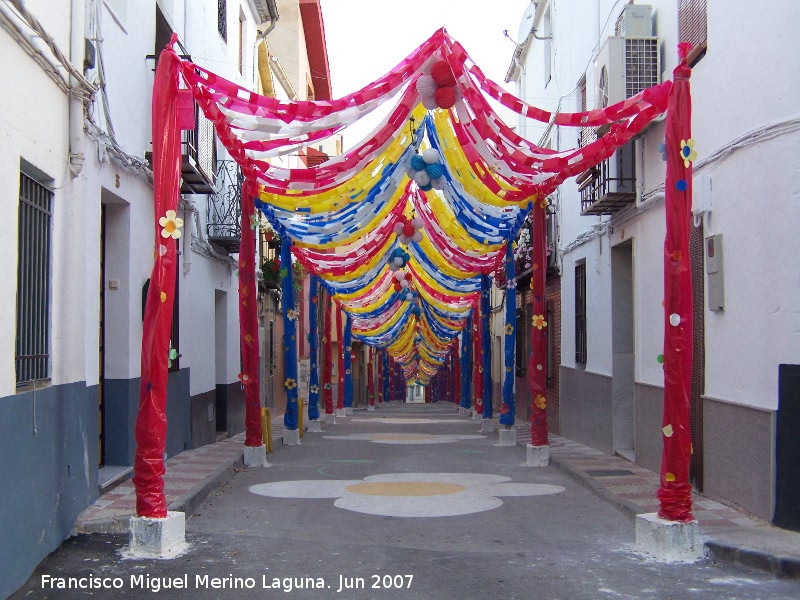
(411, 501)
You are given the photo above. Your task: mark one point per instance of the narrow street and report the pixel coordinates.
(408, 501)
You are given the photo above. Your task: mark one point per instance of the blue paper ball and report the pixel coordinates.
(435, 170)
(426, 188)
(417, 163)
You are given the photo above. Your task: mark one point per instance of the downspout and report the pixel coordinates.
(76, 103)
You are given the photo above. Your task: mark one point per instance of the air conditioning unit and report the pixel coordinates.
(630, 61)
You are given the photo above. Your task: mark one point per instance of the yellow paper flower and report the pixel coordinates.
(669, 477)
(290, 384)
(687, 152)
(509, 329)
(667, 431)
(539, 322)
(540, 401)
(171, 225)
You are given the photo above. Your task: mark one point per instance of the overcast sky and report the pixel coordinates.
(366, 38)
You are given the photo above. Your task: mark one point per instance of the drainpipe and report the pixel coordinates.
(76, 106)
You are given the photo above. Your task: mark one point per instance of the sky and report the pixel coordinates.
(367, 38)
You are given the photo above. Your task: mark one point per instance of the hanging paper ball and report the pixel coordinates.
(438, 184)
(442, 74)
(399, 276)
(417, 237)
(408, 276)
(426, 85)
(409, 296)
(422, 178)
(398, 261)
(417, 162)
(426, 188)
(417, 223)
(430, 156)
(398, 228)
(429, 102)
(408, 230)
(434, 171)
(403, 284)
(410, 172)
(445, 97)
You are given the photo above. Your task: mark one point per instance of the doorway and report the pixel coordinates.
(101, 447)
(622, 345)
(220, 361)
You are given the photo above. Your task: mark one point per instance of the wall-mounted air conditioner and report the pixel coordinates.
(630, 61)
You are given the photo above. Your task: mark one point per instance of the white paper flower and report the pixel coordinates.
(410, 494)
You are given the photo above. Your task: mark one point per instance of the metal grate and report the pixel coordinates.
(33, 281)
(222, 19)
(641, 65)
(580, 313)
(206, 148)
(693, 27)
(224, 208)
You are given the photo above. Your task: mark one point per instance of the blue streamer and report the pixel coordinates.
(486, 345)
(289, 337)
(313, 374)
(507, 418)
(348, 368)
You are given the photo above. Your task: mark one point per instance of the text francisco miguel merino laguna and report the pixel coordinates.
(285, 584)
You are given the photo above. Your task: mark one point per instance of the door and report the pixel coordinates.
(622, 326)
(102, 342)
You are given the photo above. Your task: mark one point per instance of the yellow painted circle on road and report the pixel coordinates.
(406, 488)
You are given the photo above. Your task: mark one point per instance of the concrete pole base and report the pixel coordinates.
(487, 426)
(157, 538)
(668, 541)
(538, 456)
(370, 408)
(477, 416)
(508, 437)
(255, 456)
(291, 437)
(464, 412)
(314, 426)
(329, 418)
(341, 412)
(348, 410)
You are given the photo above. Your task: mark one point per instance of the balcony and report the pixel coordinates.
(224, 209)
(609, 186)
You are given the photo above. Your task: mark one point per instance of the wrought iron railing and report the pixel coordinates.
(224, 211)
(606, 188)
(199, 146)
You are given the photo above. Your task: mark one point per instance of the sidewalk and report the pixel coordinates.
(731, 536)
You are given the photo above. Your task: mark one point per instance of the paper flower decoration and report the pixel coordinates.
(509, 329)
(290, 384)
(511, 283)
(540, 401)
(687, 152)
(539, 322)
(246, 379)
(291, 314)
(170, 225)
(254, 221)
(327, 386)
(504, 408)
(314, 389)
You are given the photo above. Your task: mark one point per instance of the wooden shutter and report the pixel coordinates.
(692, 27)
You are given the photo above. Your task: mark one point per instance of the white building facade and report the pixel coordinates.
(575, 56)
(78, 193)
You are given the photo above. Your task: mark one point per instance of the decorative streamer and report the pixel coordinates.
(537, 363)
(486, 343)
(340, 358)
(289, 334)
(151, 421)
(456, 372)
(313, 372)
(348, 361)
(507, 408)
(370, 379)
(675, 493)
(477, 358)
(466, 365)
(327, 358)
(385, 376)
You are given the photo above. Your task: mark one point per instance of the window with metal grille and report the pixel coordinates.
(580, 314)
(693, 27)
(587, 134)
(32, 355)
(222, 19)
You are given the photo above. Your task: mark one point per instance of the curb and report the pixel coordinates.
(779, 566)
(188, 502)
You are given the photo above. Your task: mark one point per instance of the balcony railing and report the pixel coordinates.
(609, 186)
(224, 212)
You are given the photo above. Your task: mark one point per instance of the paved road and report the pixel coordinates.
(405, 502)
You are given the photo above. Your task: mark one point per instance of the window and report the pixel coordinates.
(173, 362)
(692, 27)
(580, 314)
(32, 355)
(523, 334)
(222, 19)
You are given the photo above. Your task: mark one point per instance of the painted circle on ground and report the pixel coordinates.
(406, 488)
(396, 437)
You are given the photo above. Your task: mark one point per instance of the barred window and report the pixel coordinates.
(580, 314)
(692, 27)
(32, 355)
(222, 19)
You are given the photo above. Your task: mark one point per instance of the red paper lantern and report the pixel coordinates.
(445, 97)
(442, 74)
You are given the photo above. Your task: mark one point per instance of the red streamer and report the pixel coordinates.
(675, 493)
(327, 357)
(537, 363)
